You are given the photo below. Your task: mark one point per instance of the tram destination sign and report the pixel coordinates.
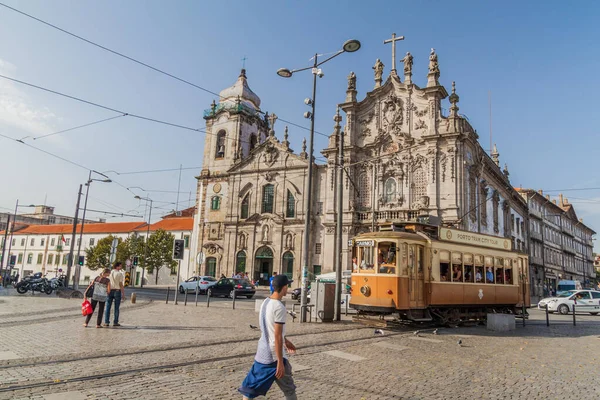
(364, 243)
(477, 239)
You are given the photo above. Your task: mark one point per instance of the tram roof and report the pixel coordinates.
(392, 235)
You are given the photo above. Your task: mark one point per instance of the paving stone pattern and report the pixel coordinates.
(176, 352)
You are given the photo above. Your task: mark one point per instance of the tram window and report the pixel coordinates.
(469, 276)
(508, 276)
(444, 271)
(404, 257)
(420, 259)
(499, 275)
(478, 274)
(366, 260)
(489, 275)
(457, 275)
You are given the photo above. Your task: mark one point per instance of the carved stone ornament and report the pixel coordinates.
(421, 203)
(271, 155)
(420, 124)
(330, 229)
(365, 130)
(270, 176)
(392, 114)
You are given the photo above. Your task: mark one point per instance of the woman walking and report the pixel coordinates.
(98, 291)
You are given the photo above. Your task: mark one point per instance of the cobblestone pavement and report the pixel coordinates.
(164, 351)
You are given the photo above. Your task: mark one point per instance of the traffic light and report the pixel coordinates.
(178, 249)
(81, 260)
(13, 261)
(135, 260)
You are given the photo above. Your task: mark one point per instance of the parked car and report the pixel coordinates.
(225, 286)
(201, 282)
(584, 301)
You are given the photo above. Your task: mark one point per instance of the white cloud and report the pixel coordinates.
(17, 109)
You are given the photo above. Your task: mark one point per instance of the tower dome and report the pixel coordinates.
(242, 90)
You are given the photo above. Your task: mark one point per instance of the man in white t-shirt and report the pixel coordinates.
(270, 363)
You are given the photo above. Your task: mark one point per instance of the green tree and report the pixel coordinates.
(134, 246)
(160, 252)
(98, 256)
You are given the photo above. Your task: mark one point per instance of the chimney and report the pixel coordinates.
(554, 201)
(541, 192)
(560, 199)
(547, 197)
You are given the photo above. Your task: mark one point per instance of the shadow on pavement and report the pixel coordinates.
(173, 328)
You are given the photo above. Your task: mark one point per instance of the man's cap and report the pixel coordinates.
(281, 280)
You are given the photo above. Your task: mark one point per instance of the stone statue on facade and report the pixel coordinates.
(265, 233)
(378, 67)
(408, 63)
(434, 68)
(352, 81)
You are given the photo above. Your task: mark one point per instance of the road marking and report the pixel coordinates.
(65, 395)
(389, 345)
(422, 339)
(8, 355)
(345, 356)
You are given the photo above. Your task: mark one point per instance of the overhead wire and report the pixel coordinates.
(79, 127)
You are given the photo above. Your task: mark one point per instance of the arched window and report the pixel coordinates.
(240, 262)
(211, 266)
(253, 141)
(220, 148)
(215, 203)
(390, 190)
(363, 190)
(419, 183)
(268, 199)
(290, 211)
(245, 207)
(288, 264)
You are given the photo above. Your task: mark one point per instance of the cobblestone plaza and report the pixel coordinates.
(164, 351)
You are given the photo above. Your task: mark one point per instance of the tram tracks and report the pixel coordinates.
(306, 350)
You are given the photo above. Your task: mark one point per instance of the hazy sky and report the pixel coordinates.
(538, 59)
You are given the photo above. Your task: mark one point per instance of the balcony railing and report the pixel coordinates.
(388, 216)
(536, 235)
(231, 107)
(536, 260)
(568, 249)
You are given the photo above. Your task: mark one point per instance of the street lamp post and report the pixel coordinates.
(349, 46)
(87, 191)
(147, 199)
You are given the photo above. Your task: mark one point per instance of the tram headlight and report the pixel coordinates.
(365, 290)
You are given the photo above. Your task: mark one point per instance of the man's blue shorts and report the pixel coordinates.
(261, 377)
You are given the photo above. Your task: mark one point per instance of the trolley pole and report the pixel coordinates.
(340, 218)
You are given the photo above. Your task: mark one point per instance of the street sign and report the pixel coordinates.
(113, 250)
(200, 258)
(60, 270)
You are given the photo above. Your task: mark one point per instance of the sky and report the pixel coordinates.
(537, 59)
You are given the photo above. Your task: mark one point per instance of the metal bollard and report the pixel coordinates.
(346, 305)
(197, 290)
(176, 295)
(208, 293)
(234, 296)
(185, 298)
(133, 297)
(168, 290)
(547, 316)
(574, 323)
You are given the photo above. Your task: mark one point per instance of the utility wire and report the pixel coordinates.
(78, 127)
(139, 62)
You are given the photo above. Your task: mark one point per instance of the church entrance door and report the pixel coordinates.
(263, 266)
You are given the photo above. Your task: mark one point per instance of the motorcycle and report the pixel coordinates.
(57, 282)
(34, 283)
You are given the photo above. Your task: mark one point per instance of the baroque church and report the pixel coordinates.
(403, 158)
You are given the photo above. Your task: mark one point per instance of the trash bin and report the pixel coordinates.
(325, 301)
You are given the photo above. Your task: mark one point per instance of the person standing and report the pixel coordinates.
(271, 363)
(116, 294)
(101, 289)
(271, 282)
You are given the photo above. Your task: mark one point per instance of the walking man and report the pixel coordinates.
(271, 363)
(117, 292)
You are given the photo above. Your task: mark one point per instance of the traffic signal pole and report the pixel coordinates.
(73, 235)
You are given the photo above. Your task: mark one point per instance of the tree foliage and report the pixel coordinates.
(160, 252)
(98, 256)
(134, 246)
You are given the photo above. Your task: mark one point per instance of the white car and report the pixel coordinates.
(200, 282)
(584, 300)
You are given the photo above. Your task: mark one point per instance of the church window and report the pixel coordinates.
(364, 191)
(220, 148)
(419, 183)
(288, 264)
(483, 205)
(472, 196)
(215, 203)
(318, 248)
(496, 201)
(268, 199)
(245, 207)
(240, 262)
(290, 211)
(253, 141)
(390, 190)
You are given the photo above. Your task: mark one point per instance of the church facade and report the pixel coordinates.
(402, 157)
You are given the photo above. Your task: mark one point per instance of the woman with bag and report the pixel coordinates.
(98, 292)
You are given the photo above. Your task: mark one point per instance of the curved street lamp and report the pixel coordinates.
(349, 46)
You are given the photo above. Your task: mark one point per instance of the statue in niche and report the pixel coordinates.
(392, 114)
(288, 241)
(378, 67)
(352, 81)
(242, 241)
(265, 233)
(433, 63)
(408, 63)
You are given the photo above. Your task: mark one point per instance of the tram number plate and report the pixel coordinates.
(365, 243)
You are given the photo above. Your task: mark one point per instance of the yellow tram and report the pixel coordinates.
(431, 273)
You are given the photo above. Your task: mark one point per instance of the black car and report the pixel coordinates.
(225, 287)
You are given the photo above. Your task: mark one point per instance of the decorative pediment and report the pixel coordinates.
(269, 154)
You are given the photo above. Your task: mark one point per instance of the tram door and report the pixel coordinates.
(416, 275)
